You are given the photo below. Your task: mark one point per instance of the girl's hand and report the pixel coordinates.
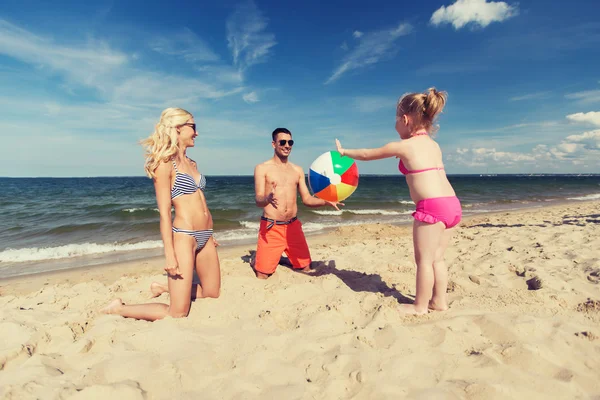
(215, 241)
(340, 149)
(334, 204)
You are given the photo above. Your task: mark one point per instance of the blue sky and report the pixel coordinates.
(81, 83)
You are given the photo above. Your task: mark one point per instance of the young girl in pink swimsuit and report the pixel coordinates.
(438, 209)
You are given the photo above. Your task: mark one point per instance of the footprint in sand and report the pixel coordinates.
(129, 390)
(19, 343)
(384, 337)
(594, 276)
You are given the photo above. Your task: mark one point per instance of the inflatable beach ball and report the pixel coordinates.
(333, 177)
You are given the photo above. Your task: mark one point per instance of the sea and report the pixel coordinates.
(49, 224)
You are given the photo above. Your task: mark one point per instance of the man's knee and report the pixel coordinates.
(261, 275)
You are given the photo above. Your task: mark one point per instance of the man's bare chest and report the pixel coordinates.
(282, 179)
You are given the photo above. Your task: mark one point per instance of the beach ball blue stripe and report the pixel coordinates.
(317, 181)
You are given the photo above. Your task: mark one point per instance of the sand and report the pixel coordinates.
(334, 335)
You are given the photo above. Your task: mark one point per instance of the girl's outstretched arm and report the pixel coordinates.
(393, 149)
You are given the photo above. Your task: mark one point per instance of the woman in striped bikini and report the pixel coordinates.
(438, 209)
(188, 237)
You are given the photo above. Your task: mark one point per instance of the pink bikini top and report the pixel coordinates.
(406, 171)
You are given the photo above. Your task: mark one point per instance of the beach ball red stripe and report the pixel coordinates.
(350, 177)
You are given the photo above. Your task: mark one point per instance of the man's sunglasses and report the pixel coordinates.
(283, 142)
(193, 126)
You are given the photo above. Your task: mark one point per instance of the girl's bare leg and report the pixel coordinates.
(439, 300)
(426, 238)
(180, 288)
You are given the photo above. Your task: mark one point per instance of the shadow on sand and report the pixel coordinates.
(357, 281)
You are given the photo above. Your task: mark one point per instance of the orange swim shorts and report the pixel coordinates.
(276, 237)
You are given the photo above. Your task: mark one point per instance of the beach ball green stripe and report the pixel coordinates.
(340, 163)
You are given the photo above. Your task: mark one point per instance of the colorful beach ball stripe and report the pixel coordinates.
(333, 177)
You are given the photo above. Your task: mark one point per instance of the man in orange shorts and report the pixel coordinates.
(276, 184)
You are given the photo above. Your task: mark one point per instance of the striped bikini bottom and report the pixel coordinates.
(200, 236)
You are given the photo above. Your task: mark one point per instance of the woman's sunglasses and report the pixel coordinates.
(193, 126)
(283, 142)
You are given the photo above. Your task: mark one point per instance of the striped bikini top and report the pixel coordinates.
(185, 183)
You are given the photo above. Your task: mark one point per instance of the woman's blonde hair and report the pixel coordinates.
(162, 144)
(422, 108)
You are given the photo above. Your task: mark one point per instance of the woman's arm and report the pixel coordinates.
(162, 186)
(393, 149)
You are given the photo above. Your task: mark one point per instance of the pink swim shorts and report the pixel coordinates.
(439, 209)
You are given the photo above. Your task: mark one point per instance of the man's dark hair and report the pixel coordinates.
(280, 130)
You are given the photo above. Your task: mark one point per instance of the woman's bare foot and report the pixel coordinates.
(410, 309)
(437, 307)
(113, 307)
(157, 289)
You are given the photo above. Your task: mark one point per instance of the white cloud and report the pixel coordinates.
(248, 41)
(372, 48)
(344, 46)
(531, 96)
(225, 74)
(479, 156)
(587, 96)
(589, 140)
(477, 12)
(512, 128)
(251, 98)
(87, 64)
(76, 134)
(592, 117)
(77, 139)
(357, 34)
(582, 149)
(111, 72)
(186, 45)
(157, 89)
(438, 68)
(369, 104)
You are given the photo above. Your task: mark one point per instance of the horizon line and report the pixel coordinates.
(481, 174)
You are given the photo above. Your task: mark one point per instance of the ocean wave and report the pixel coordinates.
(484, 210)
(86, 227)
(327, 212)
(72, 250)
(237, 234)
(412, 203)
(101, 207)
(250, 224)
(594, 196)
(378, 212)
(132, 210)
(316, 226)
(251, 228)
(361, 212)
(139, 210)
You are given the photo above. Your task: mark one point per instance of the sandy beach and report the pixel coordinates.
(336, 334)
